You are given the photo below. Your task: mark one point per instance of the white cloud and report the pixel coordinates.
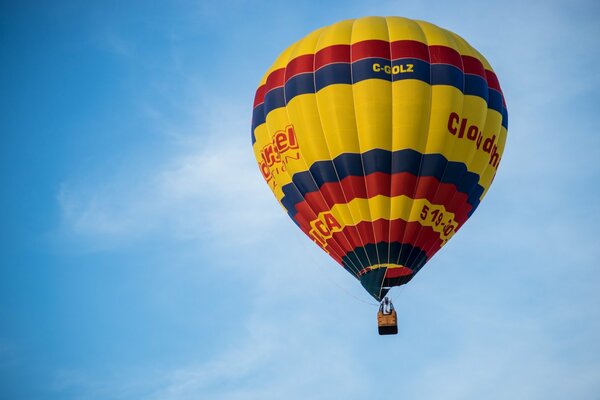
(209, 186)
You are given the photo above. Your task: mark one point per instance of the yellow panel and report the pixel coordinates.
(490, 172)
(412, 213)
(335, 34)
(437, 36)
(290, 161)
(306, 45)
(444, 101)
(369, 28)
(373, 113)
(268, 161)
(404, 29)
(336, 109)
(410, 120)
(491, 132)
(301, 110)
(467, 130)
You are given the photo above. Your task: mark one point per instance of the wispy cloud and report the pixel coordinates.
(272, 357)
(205, 185)
(116, 43)
(269, 362)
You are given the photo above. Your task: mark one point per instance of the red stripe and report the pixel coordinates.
(370, 48)
(492, 80)
(379, 183)
(410, 49)
(275, 79)
(473, 66)
(299, 65)
(445, 55)
(398, 230)
(351, 238)
(446, 195)
(493, 83)
(304, 216)
(339, 53)
(259, 98)
(397, 272)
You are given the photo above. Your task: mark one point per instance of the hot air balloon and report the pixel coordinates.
(379, 136)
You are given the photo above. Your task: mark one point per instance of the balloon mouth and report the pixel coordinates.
(378, 279)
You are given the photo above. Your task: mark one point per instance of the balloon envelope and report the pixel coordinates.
(379, 137)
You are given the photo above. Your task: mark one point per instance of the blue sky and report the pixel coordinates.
(142, 256)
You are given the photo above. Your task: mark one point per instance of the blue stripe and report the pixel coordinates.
(495, 100)
(398, 70)
(421, 70)
(476, 193)
(322, 172)
(476, 86)
(258, 118)
(332, 74)
(351, 165)
(505, 118)
(378, 160)
(444, 74)
(274, 99)
(299, 84)
(363, 70)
